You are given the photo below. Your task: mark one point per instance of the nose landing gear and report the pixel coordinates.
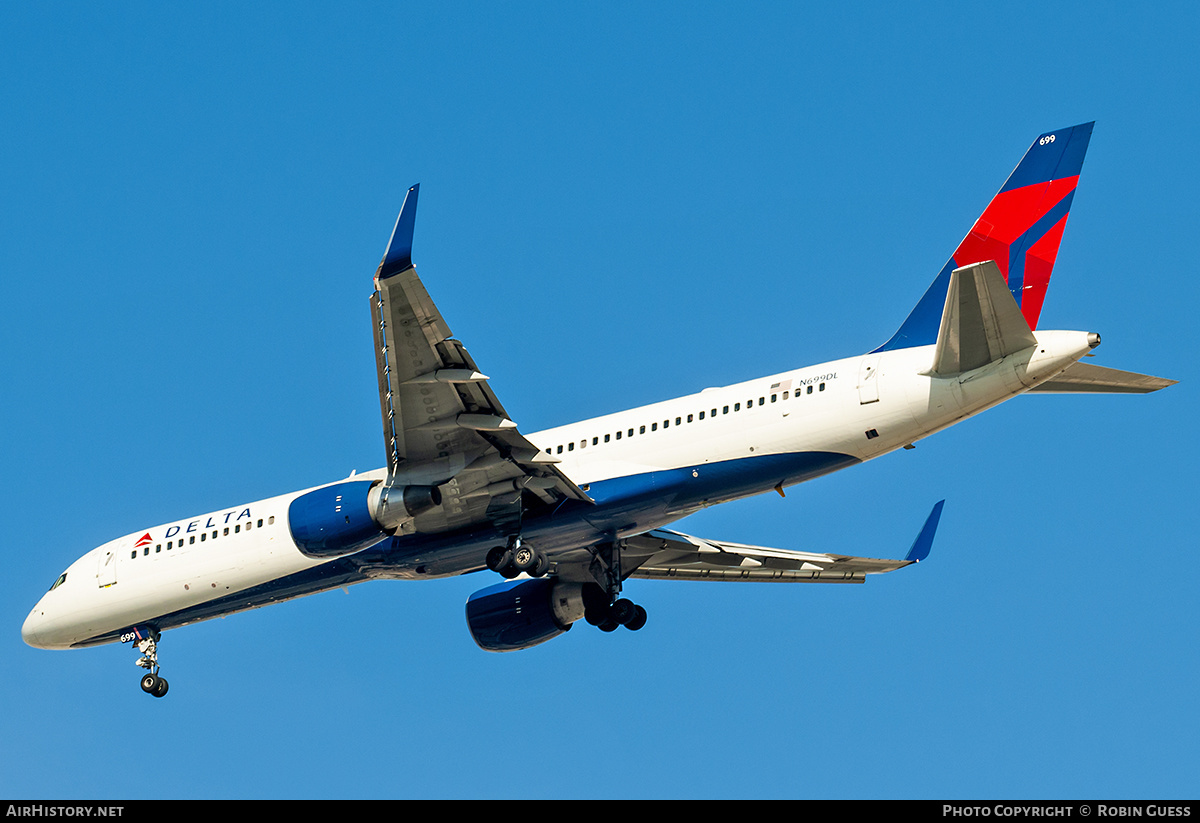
(146, 642)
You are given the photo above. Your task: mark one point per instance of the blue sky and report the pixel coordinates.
(620, 203)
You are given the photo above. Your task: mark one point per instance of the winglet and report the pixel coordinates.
(398, 256)
(924, 542)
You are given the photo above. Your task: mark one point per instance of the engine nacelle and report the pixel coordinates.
(520, 614)
(347, 517)
(392, 505)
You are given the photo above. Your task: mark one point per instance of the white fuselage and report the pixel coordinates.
(860, 407)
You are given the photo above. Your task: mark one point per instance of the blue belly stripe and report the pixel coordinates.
(638, 502)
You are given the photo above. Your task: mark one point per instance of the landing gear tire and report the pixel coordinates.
(608, 617)
(499, 558)
(541, 565)
(524, 558)
(155, 685)
(638, 620)
(623, 611)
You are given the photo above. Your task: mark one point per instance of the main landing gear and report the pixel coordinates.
(602, 606)
(147, 644)
(606, 615)
(516, 558)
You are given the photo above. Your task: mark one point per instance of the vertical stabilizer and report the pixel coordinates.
(1020, 230)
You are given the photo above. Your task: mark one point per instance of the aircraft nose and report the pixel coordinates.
(30, 628)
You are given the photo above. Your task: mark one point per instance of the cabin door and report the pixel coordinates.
(106, 574)
(868, 380)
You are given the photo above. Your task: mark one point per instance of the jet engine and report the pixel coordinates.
(519, 614)
(346, 517)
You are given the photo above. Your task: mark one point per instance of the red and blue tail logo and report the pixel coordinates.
(1020, 229)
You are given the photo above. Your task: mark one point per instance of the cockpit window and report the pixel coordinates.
(62, 578)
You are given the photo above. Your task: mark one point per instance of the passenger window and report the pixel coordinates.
(202, 536)
(595, 440)
(260, 522)
(822, 387)
(606, 438)
(809, 390)
(679, 420)
(641, 429)
(701, 415)
(773, 397)
(571, 446)
(737, 407)
(653, 427)
(560, 449)
(618, 435)
(631, 432)
(762, 401)
(689, 418)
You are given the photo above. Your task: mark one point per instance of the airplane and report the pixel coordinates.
(566, 516)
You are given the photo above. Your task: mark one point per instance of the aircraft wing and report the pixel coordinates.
(672, 555)
(442, 423)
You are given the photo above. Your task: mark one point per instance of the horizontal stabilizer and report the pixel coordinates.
(1086, 378)
(981, 321)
